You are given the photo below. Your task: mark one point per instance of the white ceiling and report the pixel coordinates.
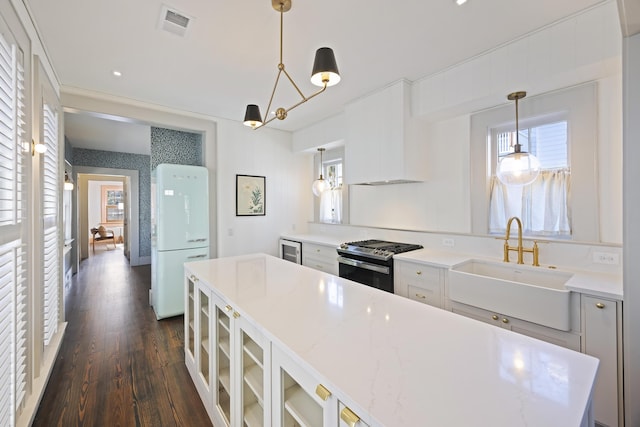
(229, 56)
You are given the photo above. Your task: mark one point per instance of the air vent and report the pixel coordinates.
(174, 21)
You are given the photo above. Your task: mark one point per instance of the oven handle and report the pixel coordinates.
(363, 264)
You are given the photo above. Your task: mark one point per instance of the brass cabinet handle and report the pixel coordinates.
(495, 317)
(600, 305)
(421, 296)
(228, 308)
(418, 272)
(349, 417)
(236, 314)
(505, 320)
(317, 250)
(322, 392)
(193, 278)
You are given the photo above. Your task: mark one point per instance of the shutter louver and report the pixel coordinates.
(13, 259)
(50, 237)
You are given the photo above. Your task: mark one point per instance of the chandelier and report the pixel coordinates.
(324, 74)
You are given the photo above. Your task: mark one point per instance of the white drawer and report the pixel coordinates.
(321, 264)
(327, 253)
(430, 296)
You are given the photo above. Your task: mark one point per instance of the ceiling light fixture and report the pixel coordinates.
(320, 185)
(518, 168)
(324, 74)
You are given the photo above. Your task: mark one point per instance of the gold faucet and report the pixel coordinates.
(520, 249)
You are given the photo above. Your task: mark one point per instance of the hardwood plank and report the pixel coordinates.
(118, 365)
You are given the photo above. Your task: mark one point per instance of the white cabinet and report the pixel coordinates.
(419, 282)
(320, 257)
(301, 400)
(197, 340)
(602, 339)
(565, 339)
(383, 142)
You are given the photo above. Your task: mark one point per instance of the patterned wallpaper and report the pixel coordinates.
(175, 147)
(139, 162)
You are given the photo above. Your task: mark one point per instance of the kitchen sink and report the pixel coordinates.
(529, 293)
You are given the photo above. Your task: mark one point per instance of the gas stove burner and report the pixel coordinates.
(378, 249)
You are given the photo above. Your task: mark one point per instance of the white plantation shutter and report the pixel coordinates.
(13, 264)
(50, 213)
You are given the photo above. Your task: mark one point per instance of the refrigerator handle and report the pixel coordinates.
(197, 256)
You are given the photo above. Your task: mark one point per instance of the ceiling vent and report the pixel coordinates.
(173, 21)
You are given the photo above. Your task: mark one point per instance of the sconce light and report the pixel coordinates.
(320, 185)
(518, 168)
(324, 74)
(37, 148)
(68, 184)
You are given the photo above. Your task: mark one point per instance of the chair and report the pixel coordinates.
(101, 234)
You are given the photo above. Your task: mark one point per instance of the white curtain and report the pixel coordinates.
(542, 206)
(331, 206)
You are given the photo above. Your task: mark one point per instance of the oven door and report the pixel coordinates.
(367, 272)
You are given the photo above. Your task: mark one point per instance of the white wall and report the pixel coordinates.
(586, 47)
(264, 152)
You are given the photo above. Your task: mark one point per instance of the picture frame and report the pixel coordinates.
(250, 195)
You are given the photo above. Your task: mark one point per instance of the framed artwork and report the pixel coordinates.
(250, 195)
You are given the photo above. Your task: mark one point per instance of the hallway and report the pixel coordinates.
(118, 366)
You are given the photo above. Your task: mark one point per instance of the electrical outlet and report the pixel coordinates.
(230, 232)
(606, 258)
(448, 242)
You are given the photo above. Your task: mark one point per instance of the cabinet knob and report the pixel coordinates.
(349, 417)
(322, 392)
(228, 308)
(421, 296)
(505, 320)
(418, 272)
(236, 314)
(495, 317)
(317, 250)
(600, 305)
(193, 278)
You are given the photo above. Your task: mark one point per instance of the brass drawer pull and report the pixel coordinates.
(421, 296)
(236, 314)
(228, 308)
(418, 272)
(322, 392)
(495, 317)
(600, 305)
(349, 417)
(505, 320)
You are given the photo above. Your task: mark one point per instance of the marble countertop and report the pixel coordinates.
(400, 362)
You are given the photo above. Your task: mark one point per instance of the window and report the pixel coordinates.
(112, 204)
(543, 205)
(552, 124)
(331, 200)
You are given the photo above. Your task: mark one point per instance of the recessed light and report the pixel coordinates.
(117, 73)
(460, 2)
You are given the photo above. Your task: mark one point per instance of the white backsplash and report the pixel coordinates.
(571, 255)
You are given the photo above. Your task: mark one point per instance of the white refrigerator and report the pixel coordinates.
(179, 232)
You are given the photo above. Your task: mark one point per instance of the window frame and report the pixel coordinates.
(105, 207)
(579, 103)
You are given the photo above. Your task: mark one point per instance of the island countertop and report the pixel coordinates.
(400, 362)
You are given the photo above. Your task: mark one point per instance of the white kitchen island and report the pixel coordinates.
(387, 359)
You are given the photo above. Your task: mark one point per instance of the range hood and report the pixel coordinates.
(384, 144)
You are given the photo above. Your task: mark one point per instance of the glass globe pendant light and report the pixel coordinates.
(518, 168)
(320, 185)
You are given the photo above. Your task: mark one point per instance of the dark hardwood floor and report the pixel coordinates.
(118, 365)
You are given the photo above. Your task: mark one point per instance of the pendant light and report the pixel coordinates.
(320, 185)
(518, 168)
(324, 74)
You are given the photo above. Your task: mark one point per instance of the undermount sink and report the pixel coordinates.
(529, 293)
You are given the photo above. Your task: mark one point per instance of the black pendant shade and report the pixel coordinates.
(252, 116)
(325, 68)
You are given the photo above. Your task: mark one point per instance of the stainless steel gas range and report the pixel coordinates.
(370, 262)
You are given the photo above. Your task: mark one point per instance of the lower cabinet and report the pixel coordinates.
(419, 282)
(601, 319)
(565, 339)
(320, 257)
(300, 400)
(245, 381)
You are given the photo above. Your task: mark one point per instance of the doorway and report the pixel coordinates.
(90, 180)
